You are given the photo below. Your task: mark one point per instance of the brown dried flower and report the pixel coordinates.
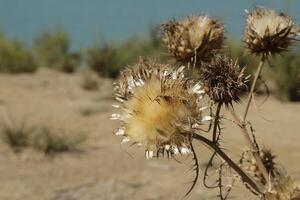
(158, 106)
(195, 38)
(268, 32)
(223, 79)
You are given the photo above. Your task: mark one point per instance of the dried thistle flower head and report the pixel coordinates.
(268, 32)
(158, 107)
(223, 79)
(195, 38)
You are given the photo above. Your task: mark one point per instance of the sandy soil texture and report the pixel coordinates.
(102, 168)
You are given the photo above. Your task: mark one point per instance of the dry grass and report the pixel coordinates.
(51, 140)
(19, 135)
(90, 81)
(16, 135)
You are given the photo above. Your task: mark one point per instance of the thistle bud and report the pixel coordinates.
(223, 79)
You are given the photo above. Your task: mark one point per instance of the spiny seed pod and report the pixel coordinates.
(159, 107)
(267, 157)
(195, 38)
(268, 32)
(223, 79)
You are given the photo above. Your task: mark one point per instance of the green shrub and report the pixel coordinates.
(52, 50)
(108, 59)
(52, 47)
(286, 75)
(70, 63)
(14, 58)
(102, 59)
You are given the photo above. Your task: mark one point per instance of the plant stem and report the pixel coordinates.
(216, 121)
(243, 123)
(233, 165)
(257, 73)
(252, 146)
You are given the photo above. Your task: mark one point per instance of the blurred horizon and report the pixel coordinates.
(117, 20)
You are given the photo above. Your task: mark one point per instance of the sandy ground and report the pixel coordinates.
(104, 169)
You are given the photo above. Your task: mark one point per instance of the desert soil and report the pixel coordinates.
(102, 168)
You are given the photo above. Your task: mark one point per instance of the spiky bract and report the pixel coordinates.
(268, 32)
(268, 160)
(223, 79)
(195, 38)
(159, 106)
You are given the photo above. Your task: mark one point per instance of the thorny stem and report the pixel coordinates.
(245, 178)
(252, 146)
(243, 123)
(216, 121)
(215, 139)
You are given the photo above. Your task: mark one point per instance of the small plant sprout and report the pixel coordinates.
(164, 108)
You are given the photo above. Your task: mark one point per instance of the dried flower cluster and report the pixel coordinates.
(158, 107)
(223, 79)
(195, 38)
(268, 32)
(161, 108)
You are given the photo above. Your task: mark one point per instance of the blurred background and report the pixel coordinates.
(58, 60)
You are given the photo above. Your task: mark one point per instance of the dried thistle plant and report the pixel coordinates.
(193, 39)
(268, 32)
(162, 108)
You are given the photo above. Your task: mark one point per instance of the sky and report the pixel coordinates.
(117, 20)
